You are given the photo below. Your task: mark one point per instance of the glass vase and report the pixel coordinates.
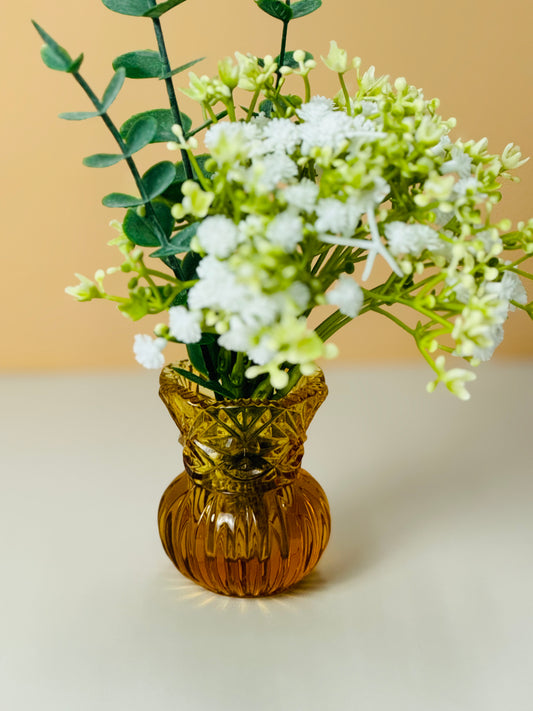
(243, 518)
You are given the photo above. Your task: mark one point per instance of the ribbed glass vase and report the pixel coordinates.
(243, 518)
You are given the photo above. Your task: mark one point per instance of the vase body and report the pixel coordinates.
(243, 518)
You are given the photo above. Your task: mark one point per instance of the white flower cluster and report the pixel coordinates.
(294, 202)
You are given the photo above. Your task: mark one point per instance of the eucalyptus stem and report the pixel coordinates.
(161, 236)
(176, 114)
(283, 47)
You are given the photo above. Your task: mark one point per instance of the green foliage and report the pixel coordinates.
(178, 244)
(113, 89)
(182, 68)
(102, 160)
(56, 57)
(164, 121)
(163, 7)
(154, 181)
(305, 7)
(136, 8)
(141, 133)
(79, 115)
(142, 231)
(144, 64)
(158, 178)
(277, 9)
(209, 384)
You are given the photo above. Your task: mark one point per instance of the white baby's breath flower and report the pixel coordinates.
(347, 295)
(410, 239)
(285, 230)
(303, 195)
(218, 235)
(280, 135)
(510, 288)
(147, 351)
(184, 325)
(316, 109)
(460, 163)
(337, 217)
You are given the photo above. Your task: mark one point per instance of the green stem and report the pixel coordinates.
(252, 105)
(283, 47)
(520, 272)
(171, 92)
(346, 95)
(161, 236)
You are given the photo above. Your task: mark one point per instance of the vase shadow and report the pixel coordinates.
(401, 506)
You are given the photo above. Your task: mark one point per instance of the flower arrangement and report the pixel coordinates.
(293, 201)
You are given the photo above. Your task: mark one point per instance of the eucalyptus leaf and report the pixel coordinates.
(136, 8)
(179, 243)
(76, 64)
(53, 55)
(121, 200)
(277, 9)
(144, 64)
(102, 160)
(58, 59)
(183, 67)
(141, 134)
(305, 7)
(113, 88)
(165, 121)
(158, 177)
(139, 230)
(163, 7)
(78, 115)
(266, 107)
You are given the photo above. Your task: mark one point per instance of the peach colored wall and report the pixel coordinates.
(476, 56)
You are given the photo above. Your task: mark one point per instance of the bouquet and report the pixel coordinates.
(281, 202)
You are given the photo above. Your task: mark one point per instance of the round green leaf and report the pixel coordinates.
(163, 7)
(165, 121)
(158, 177)
(144, 64)
(102, 160)
(141, 134)
(113, 88)
(136, 8)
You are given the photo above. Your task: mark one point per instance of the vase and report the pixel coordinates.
(243, 518)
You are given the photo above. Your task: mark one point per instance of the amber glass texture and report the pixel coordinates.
(243, 518)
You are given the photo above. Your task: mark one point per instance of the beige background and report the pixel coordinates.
(476, 56)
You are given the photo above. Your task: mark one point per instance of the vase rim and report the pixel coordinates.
(307, 386)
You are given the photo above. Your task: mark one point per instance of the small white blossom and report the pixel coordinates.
(410, 239)
(218, 235)
(316, 109)
(147, 351)
(285, 230)
(337, 217)
(510, 288)
(460, 163)
(347, 295)
(280, 135)
(237, 337)
(303, 195)
(184, 325)
(273, 169)
(217, 287)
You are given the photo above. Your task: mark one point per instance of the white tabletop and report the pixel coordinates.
(423, 600)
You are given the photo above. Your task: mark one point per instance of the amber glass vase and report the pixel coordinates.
(243, 518)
